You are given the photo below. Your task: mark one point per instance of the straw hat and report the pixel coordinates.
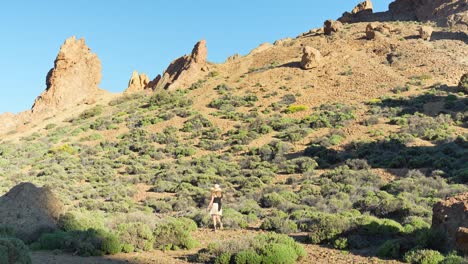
(216, 188)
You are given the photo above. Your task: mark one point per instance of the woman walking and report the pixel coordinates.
(216, 210)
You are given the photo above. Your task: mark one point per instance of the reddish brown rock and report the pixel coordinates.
(184, 71)
(137, 83)
(451, 217)
(331, 26)
(425, 32)
(73, 80)
(311, 58)
(370, 31)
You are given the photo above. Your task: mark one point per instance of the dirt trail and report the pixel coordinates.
(315, 254)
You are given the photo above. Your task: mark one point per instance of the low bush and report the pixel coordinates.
(137, 234)
(13, 250)
(423, 256)
(264, 248)
(174, 233)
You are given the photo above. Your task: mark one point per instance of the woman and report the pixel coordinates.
(215, 205)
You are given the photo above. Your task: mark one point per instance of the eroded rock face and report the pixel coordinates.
(73, 80)
(311, 58)
(451, 217)
(137, 83)
(444, 12)
(425, 32)
(30, 210)
(331, 26)
(184, 71)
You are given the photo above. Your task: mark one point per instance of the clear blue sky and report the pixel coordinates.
(141, 35)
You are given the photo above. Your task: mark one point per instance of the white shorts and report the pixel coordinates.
(214, 210)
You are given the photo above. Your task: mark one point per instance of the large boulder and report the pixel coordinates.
(30, 211)
(310, 58)
(73, 80)
(425, 32)
(331, 26)
(451, 217)
(137, 83)
(184, 71)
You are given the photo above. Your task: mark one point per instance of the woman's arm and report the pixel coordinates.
(211, 202)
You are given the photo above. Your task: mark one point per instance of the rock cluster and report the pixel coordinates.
(30, 210)
(184, 71)
(425, 32)
(331, 26)
(137, 83)
(451, 217)
(311, 58)
(73, 80)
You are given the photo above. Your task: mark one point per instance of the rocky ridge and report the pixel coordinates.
(73, 80)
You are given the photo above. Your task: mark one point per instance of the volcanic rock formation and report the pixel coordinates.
(452, 13)
(137, 83)
(451, 217)
(184, 71)
(73, 80)
(30, 210)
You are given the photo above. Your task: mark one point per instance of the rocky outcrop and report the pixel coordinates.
(451, 217)
(137, 83)
(445, 12)
(30, 211)
(73, 80)
(311, 58)
(331, 26)
(184, 71)
(425, 32)
(359, 13)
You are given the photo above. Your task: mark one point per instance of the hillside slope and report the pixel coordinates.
(351, 154)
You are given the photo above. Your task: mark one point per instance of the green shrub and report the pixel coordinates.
(295, 108)
(423, 256)
(340, 243)
(248, 256)
(323, 227)
(234, 219)
(173, 233)
(279, 254)
(224, 258)
(335, 115)
(13, 250)
(453, 258)
(91, 242)
(95, 111)
(389, 249)
(137, 234)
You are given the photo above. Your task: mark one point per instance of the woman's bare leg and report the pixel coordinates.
(214, 222)
(220, 223)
